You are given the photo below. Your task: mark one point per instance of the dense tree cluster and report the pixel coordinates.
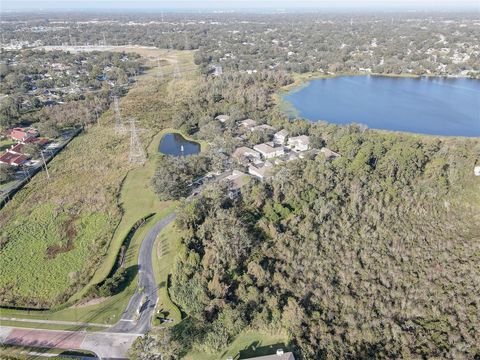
(371, 255)
(59, 81)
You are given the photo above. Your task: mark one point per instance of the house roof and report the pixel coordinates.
(12, 159)
(267, 148)
(264, 171)
(244, 151)
(16, 149)
(329, 154)
(302, 139)
(238, 179)
(248, 123)
(282, 132)
(222, 118)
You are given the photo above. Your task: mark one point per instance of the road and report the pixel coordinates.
(137, 317)
(113, 343)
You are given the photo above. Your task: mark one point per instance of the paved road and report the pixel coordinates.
(113, 343)
(137, 317)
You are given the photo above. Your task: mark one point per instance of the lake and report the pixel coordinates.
(176, 145)
(437, 106)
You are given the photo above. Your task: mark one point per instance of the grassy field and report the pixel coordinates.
(246, 345)
(55, 232)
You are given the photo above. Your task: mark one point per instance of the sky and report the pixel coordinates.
(209, 5)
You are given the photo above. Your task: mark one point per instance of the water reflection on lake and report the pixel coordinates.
(176, 145)
(438, 106)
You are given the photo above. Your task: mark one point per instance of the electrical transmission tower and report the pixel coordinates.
(137, 155)
(119, 127)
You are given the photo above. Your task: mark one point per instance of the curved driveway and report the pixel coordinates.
(137, 317)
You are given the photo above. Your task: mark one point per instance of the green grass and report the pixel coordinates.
(101, 199)
(246, 345)
(5, 144)
(163, 258)
(21, 352)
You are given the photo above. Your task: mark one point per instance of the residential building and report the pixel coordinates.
(247, 123)
(222, 118)
(299, 143)
(263, 127)
(269, 151)
(236, 180)
(476, 170)
(13, 159)
(244, 155)
(22, 134)
(261, 171)
(280, 137)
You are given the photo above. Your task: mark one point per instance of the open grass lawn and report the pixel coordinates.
(56, 232)
(5, 144)
(246, 345)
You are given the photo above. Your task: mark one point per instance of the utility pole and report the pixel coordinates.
(137, 155)
(45, 164)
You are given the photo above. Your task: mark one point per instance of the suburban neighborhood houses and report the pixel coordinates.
(260, 161)
(26, 154)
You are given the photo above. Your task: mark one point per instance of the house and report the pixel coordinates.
(222, 118)
(279, 355)
(245, 154)
(280, 137)
(237, 180)
(476, 170)
(247, 123)
(269, 150)
(13, 159)
(263, 127)
(299, 143)
(329, 154)
(261, 171)
(16, 149)
(22, 134)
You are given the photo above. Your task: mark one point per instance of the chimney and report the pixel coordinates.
(279, 352)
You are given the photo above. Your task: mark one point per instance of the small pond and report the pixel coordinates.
(436, 106)
(176, 145)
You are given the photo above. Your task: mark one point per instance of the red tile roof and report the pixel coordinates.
(13, 159)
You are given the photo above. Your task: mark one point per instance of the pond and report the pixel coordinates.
(436, 106)
(176, 145)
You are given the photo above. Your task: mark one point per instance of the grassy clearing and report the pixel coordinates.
(163, 258)
(5, 144)
(246, 345)
(55, 232)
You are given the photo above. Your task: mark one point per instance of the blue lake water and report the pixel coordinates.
(176, 145)
(437, 106)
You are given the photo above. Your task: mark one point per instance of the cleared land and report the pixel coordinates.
(56, 232)
(246, 345)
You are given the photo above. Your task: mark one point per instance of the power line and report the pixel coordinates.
(137, 155)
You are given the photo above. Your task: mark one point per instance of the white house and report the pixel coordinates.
(247, 123)
(263, 171)
(263, 127)
(476, 170)
(246, 154)
(299, 143)
(222, 118)
(280, 137)
(268, 151)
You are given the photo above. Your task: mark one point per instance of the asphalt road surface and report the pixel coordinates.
(137, 317)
